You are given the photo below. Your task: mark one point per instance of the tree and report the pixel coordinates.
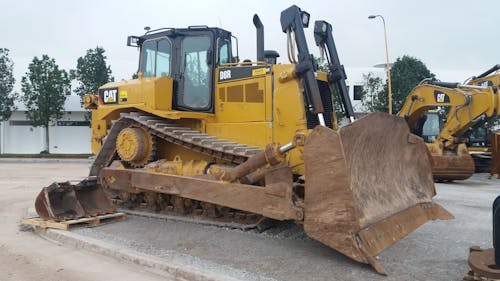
(91, 72)
(373, 89)
(44, 89)
(6, 85)
(406, 73)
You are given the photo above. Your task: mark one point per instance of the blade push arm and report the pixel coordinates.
(467, 105)
(324, 40)
(293, 21)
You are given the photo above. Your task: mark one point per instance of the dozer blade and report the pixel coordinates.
(64, 201)
(367, 186)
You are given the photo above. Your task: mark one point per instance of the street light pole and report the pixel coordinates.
(387, 59)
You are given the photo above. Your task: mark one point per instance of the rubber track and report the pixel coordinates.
(172, 132)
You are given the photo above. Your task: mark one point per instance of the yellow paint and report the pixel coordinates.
(123, 94)
(259, 71)
(465, 105)
(252, 133)
(254, 111)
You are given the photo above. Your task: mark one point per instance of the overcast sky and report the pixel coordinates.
(455, 39)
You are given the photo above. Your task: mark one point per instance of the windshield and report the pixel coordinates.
(155, 58)
(431, 127)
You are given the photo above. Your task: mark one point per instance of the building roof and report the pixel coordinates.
(72, 104)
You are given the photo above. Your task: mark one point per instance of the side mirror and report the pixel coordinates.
(133, 41)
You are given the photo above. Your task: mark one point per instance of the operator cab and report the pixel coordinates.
(189, 56)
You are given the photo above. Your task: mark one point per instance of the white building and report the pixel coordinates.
(70, 134)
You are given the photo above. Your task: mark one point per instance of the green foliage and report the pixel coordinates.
(91, 72)
(406, 73)
(6, 85)
(44, 89)
(373, 89)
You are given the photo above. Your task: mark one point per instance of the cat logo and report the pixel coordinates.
(108, 96)
(441, 97)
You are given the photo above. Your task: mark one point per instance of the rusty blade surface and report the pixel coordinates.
(58, 202)
(482, 263)
(367, 186)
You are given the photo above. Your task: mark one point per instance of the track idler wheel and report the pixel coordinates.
(135, 146)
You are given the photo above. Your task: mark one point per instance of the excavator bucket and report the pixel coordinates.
(64, 201)
(367, 186)
(459, 166)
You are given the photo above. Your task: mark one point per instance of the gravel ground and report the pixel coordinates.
(436, 251)
(26, 256)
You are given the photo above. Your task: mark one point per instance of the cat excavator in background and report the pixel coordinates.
(484, 143)
(466, 106)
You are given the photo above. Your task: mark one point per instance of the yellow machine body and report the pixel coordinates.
(248, 111)
(466, 106)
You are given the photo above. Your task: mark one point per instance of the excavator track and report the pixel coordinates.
(171, 205)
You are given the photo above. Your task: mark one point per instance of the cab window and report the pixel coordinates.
(224, 53)
(196, 72)
(155, 58)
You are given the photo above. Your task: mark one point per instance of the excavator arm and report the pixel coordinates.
(467, 105)
(486, 78)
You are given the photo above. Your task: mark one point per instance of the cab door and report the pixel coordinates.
(195, 85)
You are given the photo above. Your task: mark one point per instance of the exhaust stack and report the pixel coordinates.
(260, 37)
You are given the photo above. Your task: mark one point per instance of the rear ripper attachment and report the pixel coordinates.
(64, 201)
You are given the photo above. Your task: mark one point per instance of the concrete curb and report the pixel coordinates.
(163, 267)
(46, 160)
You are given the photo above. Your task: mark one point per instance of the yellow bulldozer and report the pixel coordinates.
(200, 133)
(465, 107)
